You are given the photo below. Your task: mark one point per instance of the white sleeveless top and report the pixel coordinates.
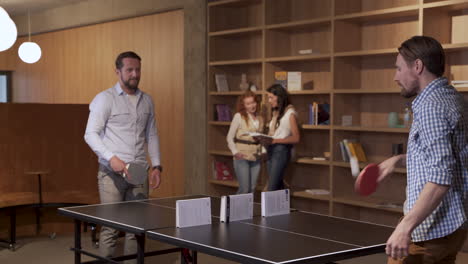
(284, 128)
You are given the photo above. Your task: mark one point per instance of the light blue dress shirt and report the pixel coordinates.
(118, 127)
(438, 153)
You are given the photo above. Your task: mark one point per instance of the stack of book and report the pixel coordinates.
(222, 172)
(351, 148)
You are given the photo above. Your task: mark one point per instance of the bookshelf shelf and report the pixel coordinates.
(367, 203)
(372, 129)
(235, 31)
(376, 15)
(309, 22)
(313, 162)
(351, 48)
(232, 184)
(366, 91)
(219, 123)
(220, 153)
(316, 127)
(391, 51)
(235, 62)
(306, 195)
(362, 165)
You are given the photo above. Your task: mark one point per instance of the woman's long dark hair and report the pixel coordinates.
(283, 100)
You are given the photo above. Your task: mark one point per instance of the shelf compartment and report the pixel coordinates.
(457, 66)
(313, 144)
(283, 11)
(343, 7)
(367, 73)
(311, 177)
(288, 41)
(315, 74)
(377, 146)
(391, 190)
(369, 110)
(301, 104)
(239, 46)
(217, 139)
(378, 33)
(233, 75)
(446, 23)
(228, 15)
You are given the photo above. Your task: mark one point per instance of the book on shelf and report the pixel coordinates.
(282, 78)
(319, 114)
(352, 148)
(389, 205)
(294, 81)
(291, 81)
(221, 82)
(317, 191)
(236, 207)
(223, 113)
(222, 172)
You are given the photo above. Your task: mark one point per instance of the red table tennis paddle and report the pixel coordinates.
(366, 182)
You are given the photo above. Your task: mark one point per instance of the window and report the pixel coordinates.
(5, 87)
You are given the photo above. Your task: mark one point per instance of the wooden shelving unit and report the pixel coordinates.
(352, 66)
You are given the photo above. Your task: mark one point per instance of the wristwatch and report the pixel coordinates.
(159, 167)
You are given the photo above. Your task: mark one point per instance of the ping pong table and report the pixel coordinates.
(298, 237)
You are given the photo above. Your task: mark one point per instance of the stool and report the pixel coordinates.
(38, 207)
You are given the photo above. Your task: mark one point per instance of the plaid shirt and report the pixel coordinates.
(438, 153)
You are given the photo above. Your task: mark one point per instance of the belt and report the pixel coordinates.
(247, 142)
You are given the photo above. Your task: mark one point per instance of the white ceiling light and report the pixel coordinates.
(8, 31)
(29, 52)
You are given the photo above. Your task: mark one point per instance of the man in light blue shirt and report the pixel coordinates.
(436, 207)
(121, 123)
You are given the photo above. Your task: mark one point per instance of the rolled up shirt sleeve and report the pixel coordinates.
(99, 112)
(153, 139)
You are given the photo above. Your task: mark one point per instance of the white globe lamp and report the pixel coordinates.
(8, 31)
(29, 52)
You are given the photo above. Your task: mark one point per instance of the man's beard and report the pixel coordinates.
(408, 93)
(131, 86)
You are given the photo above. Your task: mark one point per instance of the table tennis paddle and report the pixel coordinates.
(366, 182)
(138, 174)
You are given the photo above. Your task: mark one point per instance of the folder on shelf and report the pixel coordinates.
(193, 212)
(275, 203)
(221, 83)
(294, 81)
(236, 207)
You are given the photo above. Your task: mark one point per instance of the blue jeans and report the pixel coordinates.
(278, 159)
(247, 174)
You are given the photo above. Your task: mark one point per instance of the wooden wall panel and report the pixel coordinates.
(78, 63)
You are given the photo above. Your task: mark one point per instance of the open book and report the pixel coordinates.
(256, 134)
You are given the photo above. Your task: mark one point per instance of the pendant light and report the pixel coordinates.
(29, 52)
(8, 31)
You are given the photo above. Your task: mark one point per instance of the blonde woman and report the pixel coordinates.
(244, 148)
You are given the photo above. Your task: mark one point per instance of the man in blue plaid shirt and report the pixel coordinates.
(436, 205)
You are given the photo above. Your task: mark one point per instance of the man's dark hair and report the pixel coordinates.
(123, 55)
(428, 50)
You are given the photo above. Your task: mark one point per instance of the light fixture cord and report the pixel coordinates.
(29, 26)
